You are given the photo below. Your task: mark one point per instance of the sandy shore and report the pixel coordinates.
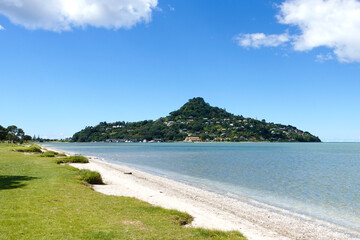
(210, 210)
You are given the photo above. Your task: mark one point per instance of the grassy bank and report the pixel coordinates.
(40, 199)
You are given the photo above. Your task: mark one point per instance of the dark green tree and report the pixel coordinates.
(3, 133)
(26, 138)
(12, 133)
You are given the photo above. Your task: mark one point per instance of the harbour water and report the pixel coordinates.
(321, 180)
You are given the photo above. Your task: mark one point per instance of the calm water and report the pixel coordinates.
(316, 179)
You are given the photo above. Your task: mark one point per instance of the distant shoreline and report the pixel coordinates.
(254, 219)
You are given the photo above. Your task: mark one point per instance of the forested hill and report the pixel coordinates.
(195, 119)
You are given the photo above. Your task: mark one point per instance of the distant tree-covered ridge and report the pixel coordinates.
(195, 119)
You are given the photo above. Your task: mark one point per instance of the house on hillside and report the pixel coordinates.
(192, 139)
(219, 139)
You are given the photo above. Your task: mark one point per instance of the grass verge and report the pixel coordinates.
(42, 200)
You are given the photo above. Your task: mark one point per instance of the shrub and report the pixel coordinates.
(49, 154)
(183, 219)
(33, 148)
(60, 161)
(91, 176)
(74, 159)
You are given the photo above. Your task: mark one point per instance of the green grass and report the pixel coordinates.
(40, 199)
(73, 159)
(90, 176)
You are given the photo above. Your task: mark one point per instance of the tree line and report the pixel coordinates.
(13, 134)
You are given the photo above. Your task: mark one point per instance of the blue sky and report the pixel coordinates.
(255, 58)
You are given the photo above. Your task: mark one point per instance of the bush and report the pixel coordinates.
(182, 218)
(60, 161)
(91, 176)
(33, 149)
(74, 159)
(49, 154)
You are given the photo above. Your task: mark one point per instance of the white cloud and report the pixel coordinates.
(2, 28)
(63, 15)
(324, 57)
(257, 40)
(334, 24)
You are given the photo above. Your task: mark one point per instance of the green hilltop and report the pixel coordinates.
(195, 119)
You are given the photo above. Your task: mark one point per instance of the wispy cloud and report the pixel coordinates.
(171, 8)
(333, 24)
(257, 40)
(2, 28)
(64, 15)
(324, 57)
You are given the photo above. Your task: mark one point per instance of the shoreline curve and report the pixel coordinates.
(253, 219)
